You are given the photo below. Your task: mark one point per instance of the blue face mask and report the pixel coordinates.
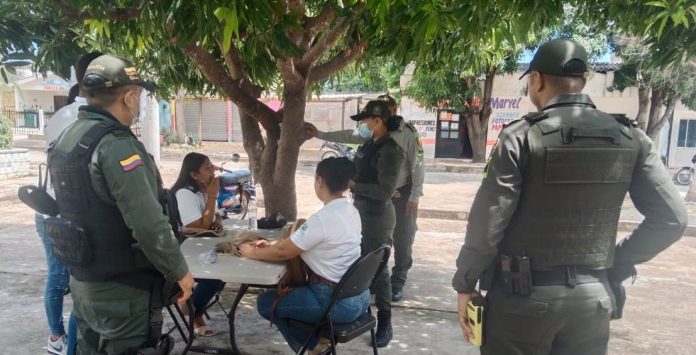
(363, 131)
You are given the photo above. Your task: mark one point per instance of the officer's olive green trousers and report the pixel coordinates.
(111, 317)
(404, 235)
(377, 229)
(555, 320)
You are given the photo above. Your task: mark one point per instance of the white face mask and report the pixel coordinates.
(363, 131)
(140, 107)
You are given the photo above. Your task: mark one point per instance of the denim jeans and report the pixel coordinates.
(307, 304)
(56, 282)
(204, 292)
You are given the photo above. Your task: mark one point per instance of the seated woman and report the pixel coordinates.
(329, 242)
(196, 192)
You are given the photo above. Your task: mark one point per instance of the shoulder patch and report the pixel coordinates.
(131, 162)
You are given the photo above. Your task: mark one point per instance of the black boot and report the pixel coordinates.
(384, 328)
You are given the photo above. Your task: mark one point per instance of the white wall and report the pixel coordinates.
(34, 99)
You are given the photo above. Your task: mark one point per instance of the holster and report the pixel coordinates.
(162, 293)
(617, 275)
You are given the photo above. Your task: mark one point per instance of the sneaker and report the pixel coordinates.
(58, 347)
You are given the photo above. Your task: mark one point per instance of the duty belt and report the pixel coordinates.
(568, 275)
(517, 277)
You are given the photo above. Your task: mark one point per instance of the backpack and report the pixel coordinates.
(170, 208)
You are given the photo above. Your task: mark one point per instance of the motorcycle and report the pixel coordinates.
(236, 191)
(337, 150)
(686, 174)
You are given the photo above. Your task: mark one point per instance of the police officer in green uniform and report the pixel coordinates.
(112, 232)
(408, 192)
(377, 162)
(544, 221)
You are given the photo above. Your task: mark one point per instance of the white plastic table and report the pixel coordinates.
(228, 268)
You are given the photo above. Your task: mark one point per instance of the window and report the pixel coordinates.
(687, 134)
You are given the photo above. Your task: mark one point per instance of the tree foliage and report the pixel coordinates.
(368, 75)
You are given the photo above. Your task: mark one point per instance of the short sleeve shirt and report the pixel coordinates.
(330, 239)
(191, 205)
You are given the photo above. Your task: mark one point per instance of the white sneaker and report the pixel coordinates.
(58, 347)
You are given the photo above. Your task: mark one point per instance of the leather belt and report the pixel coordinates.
(314, 278)
(568, 275)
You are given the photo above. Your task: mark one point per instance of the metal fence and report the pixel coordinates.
(27, 122)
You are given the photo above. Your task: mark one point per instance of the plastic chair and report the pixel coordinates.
(359, 277)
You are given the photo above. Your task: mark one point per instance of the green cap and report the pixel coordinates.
(560, 57)
(110, 71)
(373, 108)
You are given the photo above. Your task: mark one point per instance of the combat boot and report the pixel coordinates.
(384, 328)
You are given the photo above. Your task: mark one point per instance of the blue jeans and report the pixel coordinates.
(204, 292)
(307, 304)
(56, 282)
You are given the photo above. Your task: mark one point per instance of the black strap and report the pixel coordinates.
(94, 135)
(568, 276)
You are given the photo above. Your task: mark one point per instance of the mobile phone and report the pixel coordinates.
(475, 311)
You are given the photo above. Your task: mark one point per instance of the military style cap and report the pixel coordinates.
(560, 57)
(110, 71)
(373, 108)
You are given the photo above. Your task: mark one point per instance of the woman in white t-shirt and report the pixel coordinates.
(196, 192)
(329, 243)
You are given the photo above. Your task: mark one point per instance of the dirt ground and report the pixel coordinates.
(657, 318)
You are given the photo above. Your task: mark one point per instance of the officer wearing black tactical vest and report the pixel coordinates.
(378, 163)
(543, 224)
(112, 232)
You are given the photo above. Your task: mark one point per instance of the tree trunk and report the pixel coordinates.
(477, 119)
(643, 103)
(282, 196)
(655, 128)
(655, 109)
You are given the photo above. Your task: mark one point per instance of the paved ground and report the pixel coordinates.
(658, 318)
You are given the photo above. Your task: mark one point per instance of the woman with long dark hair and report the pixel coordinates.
(196, 192)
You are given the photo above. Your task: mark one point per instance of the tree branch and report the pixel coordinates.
(325, 43)
(313, 25)
(233, 61)
(290, 72)
(116, 14)
(233, 89)
(341, 60)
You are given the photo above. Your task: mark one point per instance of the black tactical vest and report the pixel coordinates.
(580, 165)
(90, 234)
(366, 161)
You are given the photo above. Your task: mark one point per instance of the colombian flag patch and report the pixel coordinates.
(131, 163)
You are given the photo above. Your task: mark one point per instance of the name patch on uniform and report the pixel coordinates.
(131, 163)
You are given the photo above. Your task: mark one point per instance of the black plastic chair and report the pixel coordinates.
(359, 277)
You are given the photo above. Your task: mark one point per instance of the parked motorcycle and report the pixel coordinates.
(337, 150)
(686, 174)
(236, 191)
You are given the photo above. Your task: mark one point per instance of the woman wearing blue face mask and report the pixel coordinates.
(378, 162)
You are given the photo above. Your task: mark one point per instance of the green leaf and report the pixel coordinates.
(659, 4)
